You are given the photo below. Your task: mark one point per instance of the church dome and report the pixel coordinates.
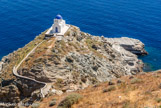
(59, 17)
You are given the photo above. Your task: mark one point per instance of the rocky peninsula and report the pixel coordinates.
(68, 63)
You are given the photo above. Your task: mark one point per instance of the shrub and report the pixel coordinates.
(50, 94)
(90, 43)
(110, 88)
(41, 99)
(111, 83)
(68, 33)
(105, 90)
(156, 75)
(52, 103)
(158, 100)
(135, 80)
(35, 105)
(120, 81)
(75, 74)
(70, 100)
(131, 77)
(59, 82)
(75, 45)
(96, 85)
(126, 104)
(160, 85)
(94, 80)
(83, 79)
(122, 85)
(148, 93)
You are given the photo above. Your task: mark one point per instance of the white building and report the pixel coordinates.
(59, 27)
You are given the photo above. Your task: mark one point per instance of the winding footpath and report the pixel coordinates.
(47, 86)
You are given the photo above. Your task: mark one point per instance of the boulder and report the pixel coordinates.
(9, 93)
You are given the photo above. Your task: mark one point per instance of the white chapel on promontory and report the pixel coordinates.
(59, 27)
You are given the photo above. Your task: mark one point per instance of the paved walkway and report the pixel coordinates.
(47, 86)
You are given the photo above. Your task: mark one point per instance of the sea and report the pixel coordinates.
(22, 20)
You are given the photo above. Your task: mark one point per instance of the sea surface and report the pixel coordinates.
(22, 20)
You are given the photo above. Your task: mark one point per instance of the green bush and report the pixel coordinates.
(59, 82)
(135, 80)
(52, 103)
(70, 100)
(158, 100)
(126, 104)
(35, 105)
(110, 88)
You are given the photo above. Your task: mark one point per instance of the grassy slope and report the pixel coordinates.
(141, 91)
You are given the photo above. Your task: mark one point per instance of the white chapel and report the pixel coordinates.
(59, 27)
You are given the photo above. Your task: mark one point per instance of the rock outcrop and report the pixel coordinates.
(10, 94)
(79, 59)
(133, 45)
(73, 62)
(26, 87)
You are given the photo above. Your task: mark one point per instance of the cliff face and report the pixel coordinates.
(71, 62)
(9, 93)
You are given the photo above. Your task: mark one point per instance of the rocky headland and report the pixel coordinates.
(67, 63)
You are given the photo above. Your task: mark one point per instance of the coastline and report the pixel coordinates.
(104, 58)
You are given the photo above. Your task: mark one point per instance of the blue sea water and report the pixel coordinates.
(22, 20)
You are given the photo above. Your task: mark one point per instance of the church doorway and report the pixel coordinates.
(56, 29)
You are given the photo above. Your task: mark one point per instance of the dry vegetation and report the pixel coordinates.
(40, 54)
(140, 91)
(90, 44)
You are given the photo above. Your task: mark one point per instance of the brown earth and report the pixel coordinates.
(142, 90)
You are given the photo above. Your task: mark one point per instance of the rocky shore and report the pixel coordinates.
(133, 45)
(72, 62)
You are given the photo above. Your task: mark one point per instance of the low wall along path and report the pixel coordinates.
(47, 86)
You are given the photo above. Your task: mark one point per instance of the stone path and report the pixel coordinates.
(47, 86)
